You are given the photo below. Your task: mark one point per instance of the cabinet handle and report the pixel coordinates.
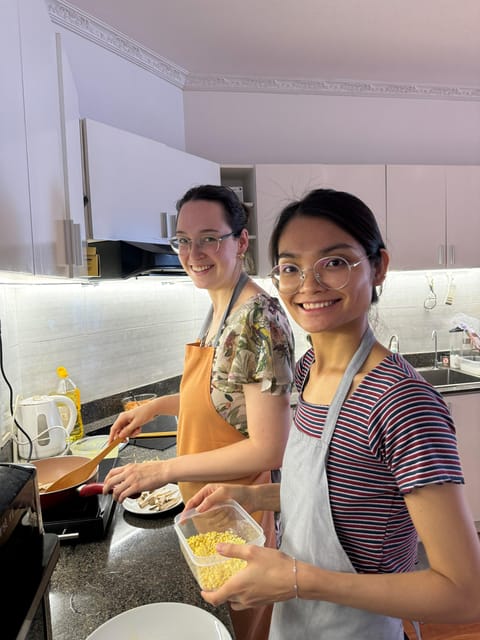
(77, 244)
(68, 241)
(163, 224)
(441, 255)
(73, 243)
(451, 248)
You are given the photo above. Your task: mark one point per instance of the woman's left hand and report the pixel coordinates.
(268, 577)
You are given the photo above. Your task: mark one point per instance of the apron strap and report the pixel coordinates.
(241, 282)
(206, 323)
(359, 357)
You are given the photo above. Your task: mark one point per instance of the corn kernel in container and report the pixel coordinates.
(205, 544)
(199, 534)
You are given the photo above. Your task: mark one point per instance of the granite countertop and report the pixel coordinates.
(139, 562)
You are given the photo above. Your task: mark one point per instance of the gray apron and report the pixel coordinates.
(309, 534)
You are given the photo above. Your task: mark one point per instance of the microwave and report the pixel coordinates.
(21, 544)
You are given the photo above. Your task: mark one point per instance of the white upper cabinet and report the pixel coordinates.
(35, 213)
(278, 184)
(43, 137)
(433, 216)
(16, 246)
(132, 180)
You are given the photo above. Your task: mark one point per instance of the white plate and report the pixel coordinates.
(131, 504)
(162, 621)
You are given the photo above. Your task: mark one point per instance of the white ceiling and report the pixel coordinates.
(433, 42)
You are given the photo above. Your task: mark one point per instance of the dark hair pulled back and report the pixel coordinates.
(342, 209)
(235, 212)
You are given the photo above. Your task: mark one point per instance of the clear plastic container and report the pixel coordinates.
(67, 387)
(456, 345)
(227, 520)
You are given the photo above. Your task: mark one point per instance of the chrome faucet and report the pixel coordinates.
(394, 344)
(435, 355)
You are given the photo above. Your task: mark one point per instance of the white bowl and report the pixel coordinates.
(91, 446)
(470, 364)
(162, 621)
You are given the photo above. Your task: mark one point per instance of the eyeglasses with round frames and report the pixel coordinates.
(332, 272)
(206, 244)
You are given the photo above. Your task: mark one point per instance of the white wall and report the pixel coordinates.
(229, 127)
(122, 94)
(249, 128)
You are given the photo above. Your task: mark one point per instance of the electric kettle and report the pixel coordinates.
(39, 417)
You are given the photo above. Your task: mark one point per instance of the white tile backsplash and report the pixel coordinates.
(113, 336)
(402, 311)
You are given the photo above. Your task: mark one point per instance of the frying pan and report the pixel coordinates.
(51, 469)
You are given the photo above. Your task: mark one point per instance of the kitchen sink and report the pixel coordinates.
(444, 377)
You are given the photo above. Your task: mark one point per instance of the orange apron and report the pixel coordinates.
(201, 428)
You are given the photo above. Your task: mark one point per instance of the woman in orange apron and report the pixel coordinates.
(233, 406)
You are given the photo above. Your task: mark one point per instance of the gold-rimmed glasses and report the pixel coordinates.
(332, 272)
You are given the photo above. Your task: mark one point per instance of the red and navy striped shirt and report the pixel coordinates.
(393, 434)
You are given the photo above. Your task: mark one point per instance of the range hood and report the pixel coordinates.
(122, 259)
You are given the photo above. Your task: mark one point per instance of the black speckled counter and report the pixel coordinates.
(139, 562)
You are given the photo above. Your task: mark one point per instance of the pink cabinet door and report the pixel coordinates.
(416, 216)
(463, 216)
(278, 184)
(465, 410)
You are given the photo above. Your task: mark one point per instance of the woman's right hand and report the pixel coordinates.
(129, 423)
(213, 494)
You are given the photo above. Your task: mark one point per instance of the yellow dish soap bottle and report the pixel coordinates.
(67, 387)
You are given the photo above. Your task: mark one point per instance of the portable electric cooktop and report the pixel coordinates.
(82, 519)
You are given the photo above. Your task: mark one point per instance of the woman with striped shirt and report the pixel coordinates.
(371, 462)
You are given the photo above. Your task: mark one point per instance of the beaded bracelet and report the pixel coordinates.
(295, 586)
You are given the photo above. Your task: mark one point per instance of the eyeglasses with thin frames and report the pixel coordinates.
(207, 244)
(332, 272)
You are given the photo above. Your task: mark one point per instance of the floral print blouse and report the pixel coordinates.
(256, 346)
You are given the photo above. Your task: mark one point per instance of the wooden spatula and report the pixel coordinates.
(82, 473)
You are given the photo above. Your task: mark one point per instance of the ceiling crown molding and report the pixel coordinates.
(85, 25)
(359, 88)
